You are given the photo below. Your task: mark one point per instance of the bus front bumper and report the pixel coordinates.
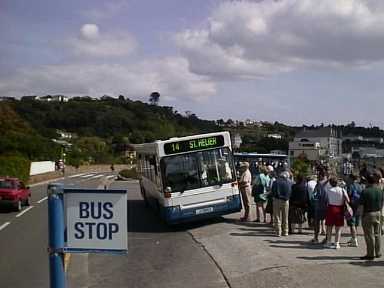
(175, 215)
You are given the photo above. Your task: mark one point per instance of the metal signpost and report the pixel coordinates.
(84, 221)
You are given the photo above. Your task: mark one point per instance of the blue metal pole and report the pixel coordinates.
(56, 235)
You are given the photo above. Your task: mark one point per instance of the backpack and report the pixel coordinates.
(320, 199)
(260, 186)
(354, 192)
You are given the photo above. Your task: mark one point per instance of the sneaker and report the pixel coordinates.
(337, 245)
(366, 257)
(353, 243)
(324, 241)
(314, 241)
(328, 245)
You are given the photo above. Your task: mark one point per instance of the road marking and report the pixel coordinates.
(97, 176)
(4, 225)
(77, 175)
(87, 175)
(111, 176)
(42, 200)
(25, 211)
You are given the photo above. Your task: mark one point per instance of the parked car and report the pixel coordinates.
(14, 192)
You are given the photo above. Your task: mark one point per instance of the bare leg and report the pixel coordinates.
(337, 235)
(329, 234)
(257, 212)
(264, 214)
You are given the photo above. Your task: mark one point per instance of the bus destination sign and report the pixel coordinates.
(194, 144)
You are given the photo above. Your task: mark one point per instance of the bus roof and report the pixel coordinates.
(157, 146)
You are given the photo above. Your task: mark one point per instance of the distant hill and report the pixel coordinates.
(101, 128)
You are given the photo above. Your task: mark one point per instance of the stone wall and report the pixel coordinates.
(69, 170)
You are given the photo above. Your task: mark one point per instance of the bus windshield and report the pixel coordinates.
(198, 169)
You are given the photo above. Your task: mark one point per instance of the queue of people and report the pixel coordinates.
(321, 200)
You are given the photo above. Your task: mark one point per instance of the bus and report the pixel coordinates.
(278, 161)
(189, 178)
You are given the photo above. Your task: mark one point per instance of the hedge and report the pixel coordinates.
(15, 166)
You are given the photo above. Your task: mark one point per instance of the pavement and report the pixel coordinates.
(216, 253)
(224, 252)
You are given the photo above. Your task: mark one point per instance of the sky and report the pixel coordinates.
(292, 61)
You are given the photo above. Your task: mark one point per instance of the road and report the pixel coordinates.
(218, 253)
(23, 237)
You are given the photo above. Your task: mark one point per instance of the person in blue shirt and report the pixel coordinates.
(354, 190)
(281, 192)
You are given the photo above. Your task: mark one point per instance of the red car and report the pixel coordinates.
(14, 192)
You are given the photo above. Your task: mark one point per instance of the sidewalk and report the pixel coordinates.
(250, 255)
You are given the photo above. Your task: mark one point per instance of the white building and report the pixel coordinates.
(275, 136)
(316, 144)
(236, 141)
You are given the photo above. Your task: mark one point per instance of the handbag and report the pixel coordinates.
(348, 212)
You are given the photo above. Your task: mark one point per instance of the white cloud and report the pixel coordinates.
(249, 39)
(93, 43)
(108, 10)
(90, 31)
(169, 76)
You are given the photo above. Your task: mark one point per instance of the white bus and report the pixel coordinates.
(190, 177)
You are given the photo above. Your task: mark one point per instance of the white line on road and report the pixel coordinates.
(42, 200)
(97, 176)
(110, 176)
(87, 175)
(4, 225)
(77, 175)
(25, 211)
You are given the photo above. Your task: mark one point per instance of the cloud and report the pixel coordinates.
(169, 76)
(108, 10)
(90, 31)
(92, 43)
(252, 39)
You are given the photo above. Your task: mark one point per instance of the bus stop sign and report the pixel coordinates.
(96, 220)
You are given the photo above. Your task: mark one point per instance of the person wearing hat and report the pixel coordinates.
(245, 188)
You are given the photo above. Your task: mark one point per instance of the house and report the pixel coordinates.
(274, 136)
(236, 141)
(7, 98)
(316, 144)
(54, 98)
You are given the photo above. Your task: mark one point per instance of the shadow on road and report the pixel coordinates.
(143, 219)
(333, 257)
(368, 263)
(7, 209)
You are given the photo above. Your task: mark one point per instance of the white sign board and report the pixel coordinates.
(96, 220)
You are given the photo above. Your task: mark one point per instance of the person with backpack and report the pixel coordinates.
(354, 190)
(259, 190)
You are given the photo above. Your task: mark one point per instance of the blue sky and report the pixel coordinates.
(294, 61)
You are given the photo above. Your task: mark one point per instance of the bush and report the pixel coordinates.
(15, 166)
(128, 173)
